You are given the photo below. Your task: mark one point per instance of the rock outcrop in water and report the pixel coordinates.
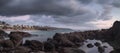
(68, 40)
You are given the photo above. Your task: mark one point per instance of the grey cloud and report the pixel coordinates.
(86, 1)
(65, 22)
(116, 3)
(52, 7)
(4, 2)
(48, 7)
(108, 2)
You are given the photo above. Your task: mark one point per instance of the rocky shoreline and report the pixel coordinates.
(60, 43)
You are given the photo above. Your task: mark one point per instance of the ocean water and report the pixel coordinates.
(43, 35)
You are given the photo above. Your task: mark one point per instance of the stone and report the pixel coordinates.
(101, 49)
(97, 44)
(16, 39)
(63, 40)
(34, 45)
(90, 45)
(48, 46)
(3, 33)
(105, 46)
(7, 44)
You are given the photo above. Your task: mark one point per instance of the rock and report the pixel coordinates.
(115, 51)
(114, 32)
(112, 36)
(105, 46)
(16, 39)
(7, 44)
(97, 44)
(62, 40)
(22, 49)
(48, 46)
(69, 40)
(76, 39)
(71, 50)
(34, 45)
(3, 33)
(90, 45)
(101, 49)
(23, 34)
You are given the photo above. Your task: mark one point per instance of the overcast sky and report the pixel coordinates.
(74, 14)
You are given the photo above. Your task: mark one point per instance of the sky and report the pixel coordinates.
(73, 14)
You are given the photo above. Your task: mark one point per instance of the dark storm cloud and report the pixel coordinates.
(54, 7)
(86, 1)
(48, 7)
(116, 3)
(4, 2)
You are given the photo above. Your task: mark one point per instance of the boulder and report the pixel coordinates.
(3, 33)
(16, 39)
(90, 45)
(112, 36)
(105, 46)
(101, 49)
(97, 44)
(48, 46)
(7, 44)
(63, 40)
(34, 45)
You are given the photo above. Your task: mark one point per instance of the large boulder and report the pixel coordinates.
(34, 45)
(7, 44)
(16, 39)
(97, 44)
(48, 46)
(3, 33)
(101, 49)
(63, 40)
(90, 45)
(69, 39)
(113, 35)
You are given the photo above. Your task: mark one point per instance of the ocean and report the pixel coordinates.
(43, 35)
